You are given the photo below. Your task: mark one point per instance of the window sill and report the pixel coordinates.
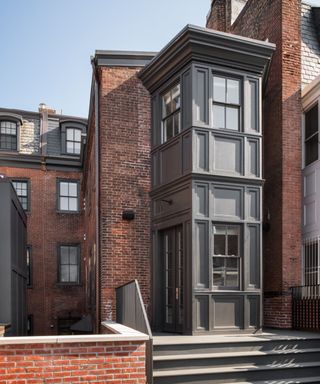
(68, 212)
(62, 285)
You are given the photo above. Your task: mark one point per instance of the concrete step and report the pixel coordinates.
(228, 359)
(236, 374)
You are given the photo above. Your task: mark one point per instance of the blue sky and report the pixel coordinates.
(46, 44)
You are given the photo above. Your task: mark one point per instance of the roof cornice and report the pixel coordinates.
(122, 58)
(209, 46)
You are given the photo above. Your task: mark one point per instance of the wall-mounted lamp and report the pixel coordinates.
(128, 215)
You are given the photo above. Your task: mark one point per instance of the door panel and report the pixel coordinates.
(172, 255)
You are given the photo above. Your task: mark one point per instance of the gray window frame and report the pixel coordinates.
(17, 135)
(239, 257)
(310, 137)
(62, 283)
(27, 181)
(61, 180)
(64, 126)
(240, 106)
(177, 111)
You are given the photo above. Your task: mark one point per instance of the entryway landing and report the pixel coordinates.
(271, 356)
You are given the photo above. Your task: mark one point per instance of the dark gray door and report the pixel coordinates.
(172, 261)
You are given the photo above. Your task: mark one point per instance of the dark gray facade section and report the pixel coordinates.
(13, 271)
(207, 181)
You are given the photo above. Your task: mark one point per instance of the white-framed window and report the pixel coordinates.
(226, 256)
(69, 264)
(68, 196)
(73, 141)
(226, 102)
(171, 113)
(311, 135)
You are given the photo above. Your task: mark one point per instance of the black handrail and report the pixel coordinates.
(131, 312)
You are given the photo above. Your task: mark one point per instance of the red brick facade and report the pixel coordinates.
(124, 179)
(96, 362)
(47, 228)
(278, 21)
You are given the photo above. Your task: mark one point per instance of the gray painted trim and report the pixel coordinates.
(123, 58)
(206, 45)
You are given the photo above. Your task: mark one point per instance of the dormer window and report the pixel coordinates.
(171, 115)
(73, 141)
(8, 135)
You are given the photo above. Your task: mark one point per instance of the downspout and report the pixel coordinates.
(97, 191)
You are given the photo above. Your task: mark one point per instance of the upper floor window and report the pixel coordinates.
(311, 135)
(69, 264)
(73, 141)
(226, 103)
(226, 256)
(8, 135)
(68, 196)
(171, 114)
(22, 190)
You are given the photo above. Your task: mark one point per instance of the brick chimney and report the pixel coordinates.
(223, 14)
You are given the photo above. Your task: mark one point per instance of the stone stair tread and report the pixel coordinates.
(193, 356)
(300, 380)
(239, 368)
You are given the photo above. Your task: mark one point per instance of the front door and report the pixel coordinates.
(172, 261)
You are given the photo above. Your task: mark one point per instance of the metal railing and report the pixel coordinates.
(306, 307)
(131, 312)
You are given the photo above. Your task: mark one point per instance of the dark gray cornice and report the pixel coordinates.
(19, 160)
(122, 58)
(209, 46)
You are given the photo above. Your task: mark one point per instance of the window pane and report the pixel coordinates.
(176, 119)
(168, 125)
(77, 148)
(311, 150)
(70, 134)
(233, 245)
(219, 116)
(311, 121)
(73, 273)
(73, 189)
(64, 189)
(232, 117)
(77, 135)
(232, 272)
(64, 273)
(73, 255)
(219, 244)
(70, 147)
(64, 255)
(73, 204)
(219, 89)
(233, 91)
(64, 203)
(218, 271)
(166, 104)
(176, 97)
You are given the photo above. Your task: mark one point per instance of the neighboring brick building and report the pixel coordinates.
(40, 156)
(152, 184)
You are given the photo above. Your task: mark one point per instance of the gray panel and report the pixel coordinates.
(202, 313)
(156, 118)
(201, 142)
(253, 204)
(227, 312)
(252, 105)
(201, 199)
(53, 138)
(228, 155)
(187, 153)
(227, 202)
(201, 95)
(186, 100)
(170, 160)
(201, 254)
(253, 158)
(155, 169)
(172, 202)
(254, 256)
(254, 311)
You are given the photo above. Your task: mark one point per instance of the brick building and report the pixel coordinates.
(143, 189)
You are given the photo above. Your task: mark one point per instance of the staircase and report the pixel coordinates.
(271, 358)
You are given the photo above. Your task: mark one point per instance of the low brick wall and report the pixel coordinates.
(72, 359)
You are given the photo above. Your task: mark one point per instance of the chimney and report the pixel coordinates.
(223, 14)
(45, 108)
